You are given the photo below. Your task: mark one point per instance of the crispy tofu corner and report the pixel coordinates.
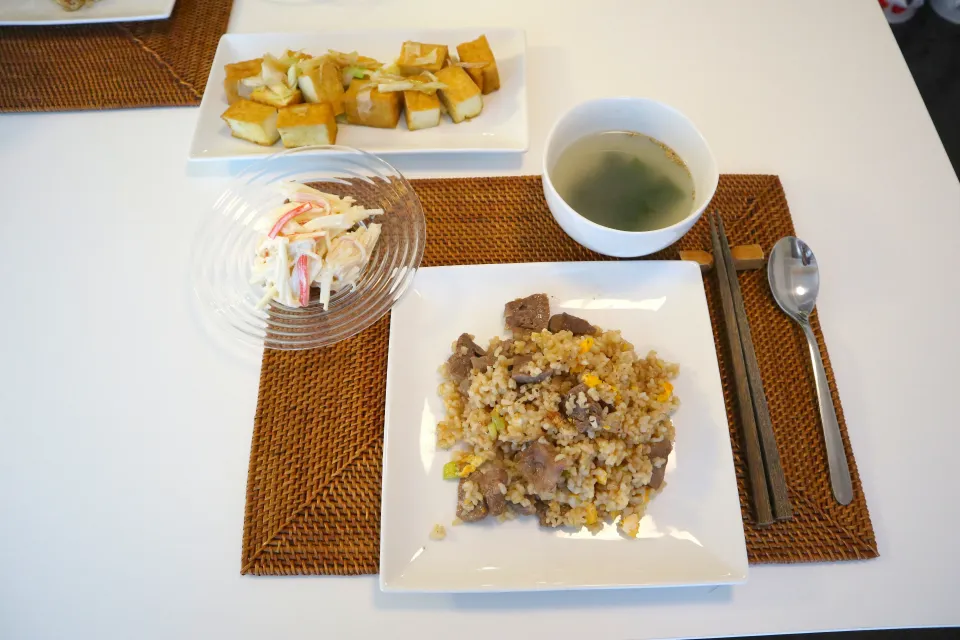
(421, 110)
(267, 96)
(252, 121)
(301, 125)
(235, 73)
(417, 57)
(478, 52)
(323, 84)
(367, 106)
(462, 97)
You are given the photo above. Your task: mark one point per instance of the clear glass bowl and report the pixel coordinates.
(225, 246)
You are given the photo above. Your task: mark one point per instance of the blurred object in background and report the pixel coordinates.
(931, 48)
(947, 9)
(898, 11)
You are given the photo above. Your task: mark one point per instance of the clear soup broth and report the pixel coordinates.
(624, 180)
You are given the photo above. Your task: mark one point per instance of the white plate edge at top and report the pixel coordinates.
(214, 90)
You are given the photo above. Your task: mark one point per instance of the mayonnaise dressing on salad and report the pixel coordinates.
(314, 239)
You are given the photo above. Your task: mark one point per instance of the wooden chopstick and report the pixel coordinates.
(763, 515)
(776, 480)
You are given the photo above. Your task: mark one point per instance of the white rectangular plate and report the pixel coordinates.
(500, 127)
(692, 533)
(40, 12)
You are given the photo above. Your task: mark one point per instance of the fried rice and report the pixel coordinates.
(602, 414)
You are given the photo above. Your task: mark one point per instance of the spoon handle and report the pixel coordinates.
(836, 457)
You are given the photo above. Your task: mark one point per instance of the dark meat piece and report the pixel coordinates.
(464, 386)
(519, 364)
(459, 367)
(542, 512)
(527, 314)
(657, 479)
(479, 510)
(465, 341)
(541, 508)
(585, 416)
(537, 465)
(459, 364)
(661, 449)
(480, 363)
(573, 324)
(524, 511)
(489, 477)
(506, 347)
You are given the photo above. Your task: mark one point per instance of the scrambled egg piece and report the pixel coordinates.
(591, 514)
(591, 380)
(667, 392)
(472, 462)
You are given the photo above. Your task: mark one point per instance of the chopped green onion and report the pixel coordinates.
(496, 425)
(451, 470)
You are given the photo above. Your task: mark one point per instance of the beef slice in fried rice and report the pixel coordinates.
(656, 479)
(573, 324)
(460, 361)
(481, 363)
(526, 315)
(661, 449)
(583, 411)
(525, 371)
(538, 465)
(471, 505)
(492, 479)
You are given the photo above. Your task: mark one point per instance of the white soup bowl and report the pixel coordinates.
(640, 115)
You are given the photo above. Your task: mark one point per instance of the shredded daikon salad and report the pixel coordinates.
(315, 239)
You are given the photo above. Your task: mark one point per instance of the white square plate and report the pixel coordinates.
(500, 127)
(39, 12)
(691, 534)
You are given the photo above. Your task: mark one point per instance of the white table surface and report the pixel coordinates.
(125, 430)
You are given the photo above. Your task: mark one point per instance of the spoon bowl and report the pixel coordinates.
(794, 277)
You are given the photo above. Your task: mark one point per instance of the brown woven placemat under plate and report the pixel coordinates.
(154, 63)
(313, 492)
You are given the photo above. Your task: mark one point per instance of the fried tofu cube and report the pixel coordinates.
(462, 96)
(267, 96)
(236, 72)
(252, 121)
(417, 57)
(479, 52)
(323, 84)
(306, 124)
(367, 106)
(421, 110)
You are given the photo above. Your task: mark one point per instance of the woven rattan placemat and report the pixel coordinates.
(156, 63)
(313, 492)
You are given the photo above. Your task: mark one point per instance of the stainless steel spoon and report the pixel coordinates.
(795, 281)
